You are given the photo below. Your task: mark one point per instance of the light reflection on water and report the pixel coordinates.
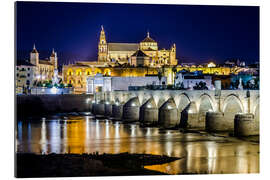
(200, 154)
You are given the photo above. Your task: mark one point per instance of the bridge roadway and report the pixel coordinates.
(213, 110)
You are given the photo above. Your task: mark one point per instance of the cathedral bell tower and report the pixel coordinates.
(102, 47)
(34, 56)
(173, 60)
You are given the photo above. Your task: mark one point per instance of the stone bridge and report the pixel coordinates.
(213, 110)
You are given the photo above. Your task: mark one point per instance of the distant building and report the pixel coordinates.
(234, 62)
(188, 80)
(25, 76)
(35, 70)
(100, 83)
(45, 68)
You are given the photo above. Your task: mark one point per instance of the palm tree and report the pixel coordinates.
(159, 76)
(174, 70)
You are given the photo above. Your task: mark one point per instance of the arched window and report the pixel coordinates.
(78, 72)
(88, 72)
(69, 72)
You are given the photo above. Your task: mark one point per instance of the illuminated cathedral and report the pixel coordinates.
(121, 59)
(124, 52)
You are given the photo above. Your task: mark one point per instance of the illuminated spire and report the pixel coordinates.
(148, 35)
(102, 28)
(34, 49)
(53, 53)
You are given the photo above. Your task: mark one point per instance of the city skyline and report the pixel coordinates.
(222, 31)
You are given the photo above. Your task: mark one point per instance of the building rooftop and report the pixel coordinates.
(45, 62)
(139, 53)
(123, 46)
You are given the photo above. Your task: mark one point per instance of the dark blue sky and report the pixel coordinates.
(200, 32)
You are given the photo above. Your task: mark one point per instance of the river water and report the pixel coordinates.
(199, 152)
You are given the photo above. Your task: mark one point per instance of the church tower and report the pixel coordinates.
(34, 56)
(53, 59)
(173, 60)
(102, 47)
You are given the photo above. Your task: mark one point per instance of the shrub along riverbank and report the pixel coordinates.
(64, 165)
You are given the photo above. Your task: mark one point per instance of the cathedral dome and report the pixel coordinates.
(148, 39)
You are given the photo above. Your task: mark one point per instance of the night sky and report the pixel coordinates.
(201, 33)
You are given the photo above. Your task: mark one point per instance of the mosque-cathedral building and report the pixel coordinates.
(123, 52)
(130, 60)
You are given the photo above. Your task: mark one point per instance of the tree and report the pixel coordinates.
(200, 86)
(174, 70)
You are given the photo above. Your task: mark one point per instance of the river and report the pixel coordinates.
(199, 152)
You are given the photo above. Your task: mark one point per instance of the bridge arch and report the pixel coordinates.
(183, 102)
(206, 99)
(256, 110)
(162, 99)
(233, 100)
(232, 106)
(204, 104)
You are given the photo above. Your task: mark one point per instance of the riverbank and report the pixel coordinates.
(70, 165)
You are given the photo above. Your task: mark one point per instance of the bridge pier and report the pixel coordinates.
(168, 114)
(149, 112)
(131, 110)
(98, 108)
(108, 109)
(215, 122)
(192, 116)
(117, 111)
(245, 125)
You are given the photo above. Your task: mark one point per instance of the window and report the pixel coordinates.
(27, 82)
(17, 68)
(28, 69)
(17, 74)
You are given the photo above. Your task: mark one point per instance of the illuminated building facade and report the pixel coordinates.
(35, 70)
(45, 68)
(77, 74)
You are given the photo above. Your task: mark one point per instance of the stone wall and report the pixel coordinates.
(28, 105)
